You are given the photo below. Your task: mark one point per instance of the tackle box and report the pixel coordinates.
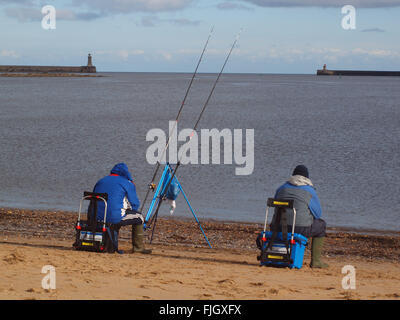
(281, 249)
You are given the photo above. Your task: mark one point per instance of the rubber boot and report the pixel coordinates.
(316, 250)
(112, 244)
(116, 235)
(137, 240)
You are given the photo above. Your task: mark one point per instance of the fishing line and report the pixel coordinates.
(162, 196)
(151, 184)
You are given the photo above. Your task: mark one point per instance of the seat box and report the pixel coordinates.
(275, 256)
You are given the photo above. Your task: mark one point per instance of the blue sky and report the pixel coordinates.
(279, 36)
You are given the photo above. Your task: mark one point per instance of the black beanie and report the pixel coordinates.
(301, 170)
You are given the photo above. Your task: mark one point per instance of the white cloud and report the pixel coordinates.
(123, 54)
(9, 53)
(127, 6)
(32, 14)
(319, 54)
(373, 30)
(379, 53)
(167, 55)
(24, 14)
(232, 6)
(26, 2)
(113, 6)
(29, 10)
(325, 3)
(153, 21)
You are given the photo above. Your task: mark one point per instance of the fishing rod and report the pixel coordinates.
(162, 195)
(151, 185)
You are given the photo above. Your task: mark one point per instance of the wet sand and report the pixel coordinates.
(182, 266)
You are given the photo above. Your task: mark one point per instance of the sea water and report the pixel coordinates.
(58, 136)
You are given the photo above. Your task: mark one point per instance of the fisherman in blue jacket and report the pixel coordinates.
(308, 211)
(122, 204)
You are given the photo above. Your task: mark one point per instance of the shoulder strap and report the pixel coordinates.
(284, 229)
(275, 227)
(280, 219)
(94, 221)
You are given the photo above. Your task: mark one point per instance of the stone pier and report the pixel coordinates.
(89, 68)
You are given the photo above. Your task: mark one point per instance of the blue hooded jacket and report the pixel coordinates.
(306, 201)
(121, 194)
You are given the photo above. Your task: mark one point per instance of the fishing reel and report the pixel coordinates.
(152, 186)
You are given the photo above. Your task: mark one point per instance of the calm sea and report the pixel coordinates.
(58, 136)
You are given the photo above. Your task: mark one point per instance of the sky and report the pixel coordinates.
(276, 36)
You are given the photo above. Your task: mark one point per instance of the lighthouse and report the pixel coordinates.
(89, 68)
(89, 60)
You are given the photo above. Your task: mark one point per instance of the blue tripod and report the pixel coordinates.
(159, 196)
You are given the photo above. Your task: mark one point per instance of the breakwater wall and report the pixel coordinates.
(48, 69)
(326, 72)
(89, 68)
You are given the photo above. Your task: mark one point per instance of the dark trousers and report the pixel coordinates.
(316, 230)
(131, 217)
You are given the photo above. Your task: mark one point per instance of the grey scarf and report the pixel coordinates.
(298, 180)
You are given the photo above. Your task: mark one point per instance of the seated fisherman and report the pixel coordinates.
(308, 211)
(122, 204)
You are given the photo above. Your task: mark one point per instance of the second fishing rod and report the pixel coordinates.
(165, 189)
(151, 185)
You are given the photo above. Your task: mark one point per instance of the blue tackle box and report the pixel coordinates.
(280, 256)
(281, 249)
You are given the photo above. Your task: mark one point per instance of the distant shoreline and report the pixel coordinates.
(31, 75)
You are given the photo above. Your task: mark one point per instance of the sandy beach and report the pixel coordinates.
(182, 266)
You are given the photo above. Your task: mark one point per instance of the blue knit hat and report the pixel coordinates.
(301, 170)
